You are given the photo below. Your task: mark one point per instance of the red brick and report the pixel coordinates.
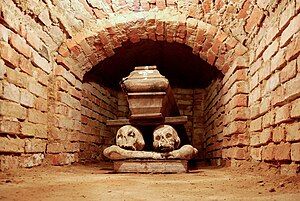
(240, 153)
(9, 55)
(243, 13)
(293, 50)
(288, 72)
(268, 152)
(279, 134)
(20, 45)
(235, 127)
(295, 151)
(293, 131)
(282, 114)
(25, 65)
(254, 19)
(282, 151)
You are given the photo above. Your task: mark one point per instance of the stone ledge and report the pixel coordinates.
(151, 166)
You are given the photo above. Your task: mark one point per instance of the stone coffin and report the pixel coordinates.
(149, 94)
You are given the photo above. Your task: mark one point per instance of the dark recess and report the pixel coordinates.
(174, 60)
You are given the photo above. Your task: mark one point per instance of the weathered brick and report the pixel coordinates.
(256, 153)
(288, 72)
(291, 91)
(271, 50)
(268, 119)
(9, 55)
(33, 129)
(26, 98)
(295, 151)
(268, 152)
(36, 116)
(11, 92)
(9, 145)
(295, 111)
(292, 28)
(272, 83)
(293, 131)
(37, 89)
(254, 19)
(35, 145)
(293, 48)
(282, 151)
(41, 62)
(11, 127)
(282, 114)
(41, 104)
(265, 136)
(20, 45)
(11, 109)
(256, 125)
(31, 160)
(4, 33)
(279, 134)
(17, 78)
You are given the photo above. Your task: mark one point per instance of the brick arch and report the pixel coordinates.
(211, 43)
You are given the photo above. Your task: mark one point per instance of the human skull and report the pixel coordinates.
(165, 138)
(129, 137)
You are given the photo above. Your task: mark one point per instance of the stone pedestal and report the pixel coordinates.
(150, 166)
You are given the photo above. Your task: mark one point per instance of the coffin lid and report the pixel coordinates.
(145, 79)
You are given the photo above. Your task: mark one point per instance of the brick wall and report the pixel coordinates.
(250, 114)
(275, 89)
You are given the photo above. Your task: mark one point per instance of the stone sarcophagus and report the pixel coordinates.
(149, 95)
(152, 105)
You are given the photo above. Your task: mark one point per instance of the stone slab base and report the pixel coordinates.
(150, 166)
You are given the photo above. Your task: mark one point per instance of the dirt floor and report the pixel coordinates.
(97, 182)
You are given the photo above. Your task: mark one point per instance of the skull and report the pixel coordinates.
(165, 138)
(129, 137)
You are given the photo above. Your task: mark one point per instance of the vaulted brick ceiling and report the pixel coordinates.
(175, 61)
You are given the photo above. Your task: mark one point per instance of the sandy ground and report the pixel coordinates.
(97, 182)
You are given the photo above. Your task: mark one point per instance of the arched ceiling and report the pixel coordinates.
(175, 61)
